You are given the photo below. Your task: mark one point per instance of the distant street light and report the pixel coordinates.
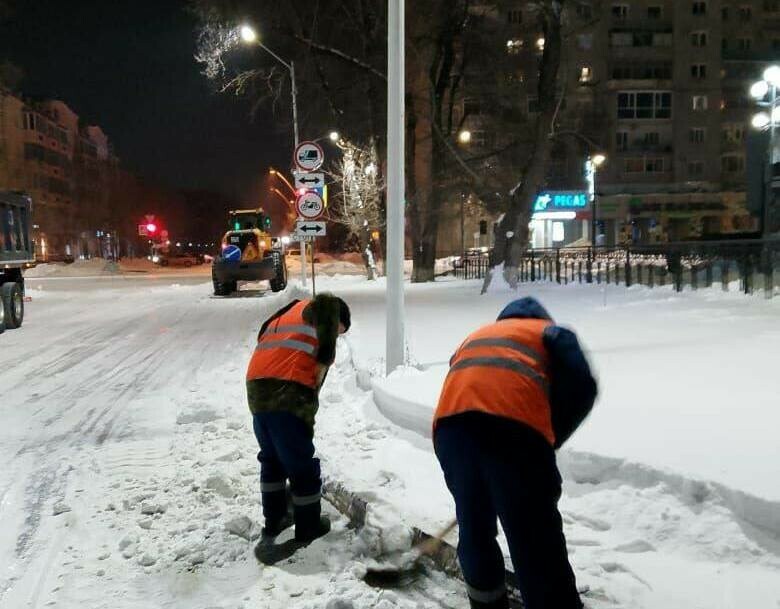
(767, 121)
(464, 137)
(334, 136)
(248, 34)
(593, 164)
(772, 75)
(761, 120)
(759, 89)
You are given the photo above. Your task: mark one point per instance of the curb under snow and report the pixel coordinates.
(585, 467)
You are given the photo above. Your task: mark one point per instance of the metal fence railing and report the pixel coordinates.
(755, 264)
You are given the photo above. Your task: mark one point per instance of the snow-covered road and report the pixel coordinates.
(127, 454)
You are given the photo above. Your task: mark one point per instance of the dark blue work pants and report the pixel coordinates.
(499, 468)
(287, 453)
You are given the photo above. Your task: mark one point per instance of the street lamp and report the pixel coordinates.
(334, 136)
(592, 166)
(249, 36)
(464, 137)
(765, 93)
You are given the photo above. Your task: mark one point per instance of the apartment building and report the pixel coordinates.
(661, 88)
(68, 169)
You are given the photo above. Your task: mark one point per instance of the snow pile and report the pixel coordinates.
(79, 268)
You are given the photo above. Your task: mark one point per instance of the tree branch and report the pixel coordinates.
(326, 50)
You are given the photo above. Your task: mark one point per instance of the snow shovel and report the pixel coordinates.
(408, 567)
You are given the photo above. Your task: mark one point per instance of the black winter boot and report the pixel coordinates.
(309, 534)
(309, 525)
(272, 529)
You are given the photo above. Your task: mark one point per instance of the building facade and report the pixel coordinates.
(69, 170)
(661, 88)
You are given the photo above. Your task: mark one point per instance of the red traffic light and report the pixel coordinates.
(151, 228)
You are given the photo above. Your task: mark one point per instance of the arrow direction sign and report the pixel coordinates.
(317, 229)
(309, 180)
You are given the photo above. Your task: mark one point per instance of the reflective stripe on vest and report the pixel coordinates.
(287, 350)
(501, 369)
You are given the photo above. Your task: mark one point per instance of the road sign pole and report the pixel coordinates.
(395, 184)
(313, 285)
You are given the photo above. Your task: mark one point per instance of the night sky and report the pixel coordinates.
(128, 66)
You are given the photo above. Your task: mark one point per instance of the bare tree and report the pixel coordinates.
(359, 205)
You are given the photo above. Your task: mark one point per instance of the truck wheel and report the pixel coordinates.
(13, 304)
(279, 282)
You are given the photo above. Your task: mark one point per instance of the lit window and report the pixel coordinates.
(586, 74)
(514, 46)
(540, 44)
(699, 102)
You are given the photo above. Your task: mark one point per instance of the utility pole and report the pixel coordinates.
(395, 183)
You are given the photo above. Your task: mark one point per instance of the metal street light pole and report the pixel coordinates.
(395, 184)
(250, 36)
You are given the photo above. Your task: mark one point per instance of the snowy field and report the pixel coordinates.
(130, 477)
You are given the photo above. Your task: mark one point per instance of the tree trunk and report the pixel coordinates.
(509, 250)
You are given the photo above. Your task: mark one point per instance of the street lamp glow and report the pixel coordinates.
(759, 89)
(464, 137)
(760, 120)
(334, 136)
(248, 34)
(598, 160)
(772, 75)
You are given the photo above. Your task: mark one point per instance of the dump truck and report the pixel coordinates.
(17, 252)
(249, 253)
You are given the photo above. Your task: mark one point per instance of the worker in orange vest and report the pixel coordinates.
(295, 348)
(516, 390)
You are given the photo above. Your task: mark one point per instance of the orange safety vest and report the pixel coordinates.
(287, 350)
(502, 369)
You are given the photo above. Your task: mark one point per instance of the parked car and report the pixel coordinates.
(176, 259)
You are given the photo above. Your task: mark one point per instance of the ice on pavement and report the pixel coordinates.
(127, 407)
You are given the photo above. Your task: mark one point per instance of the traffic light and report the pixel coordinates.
(267, 222)
(236, 225)
(151, 228)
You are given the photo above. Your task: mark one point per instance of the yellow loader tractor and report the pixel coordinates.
(249, 253)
